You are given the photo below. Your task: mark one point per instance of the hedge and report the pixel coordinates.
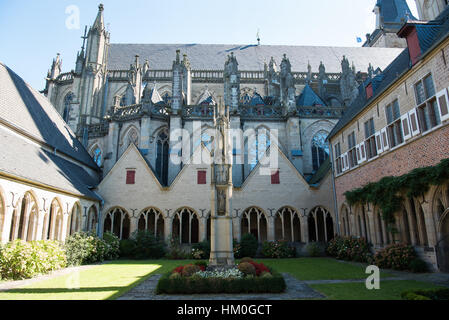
(196, 285)
(432, 294)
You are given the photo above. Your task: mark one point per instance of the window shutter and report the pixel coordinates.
(414, 125)
(385, 143)
(363, 152)
(347, 161)
(379, 146)
(130, 177)
(406, 132)
(443, 104)
(202, 177)
(275, 178)
(357, 148)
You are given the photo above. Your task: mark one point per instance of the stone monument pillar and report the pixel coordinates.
(222, 252)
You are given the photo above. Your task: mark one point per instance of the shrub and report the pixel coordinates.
(246, 259)
(175, 275)
(202, 264)
(127, 248)
(395, 256)
(260, 268)
(417, 265)
(175, 251)
(247, 268)
(248, 246)
(266, 275)
(112, 246)
(431, 294)
(24, 260)
(84, 248)
(313, 249)
(201, 250)
(148, 246)
(189, 270)
(278, 249)
(350, 248)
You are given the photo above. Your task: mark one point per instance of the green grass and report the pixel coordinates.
(318, 269)
(389, 290)
(100, 282)
(113, 279)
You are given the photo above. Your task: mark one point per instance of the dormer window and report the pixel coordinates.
(369, 91)
(411, 35)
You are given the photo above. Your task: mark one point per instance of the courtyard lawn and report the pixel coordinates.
(100, 282)
(113, 279)
(389, 290)
(318, 268)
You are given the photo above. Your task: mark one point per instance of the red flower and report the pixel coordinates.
(178, 269)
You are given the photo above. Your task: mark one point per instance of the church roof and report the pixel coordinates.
(25, 112)
(250, 57)
(395, 11)
(29, 111)
(437, 31)
(309, 98)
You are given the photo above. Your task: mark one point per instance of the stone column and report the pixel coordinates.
(111, 151)
(270, 227)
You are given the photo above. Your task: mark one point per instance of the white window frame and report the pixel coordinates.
(405, 121)
(379, 145)
(384, 138)
(363, 154)
(413, 114)
(443, 93)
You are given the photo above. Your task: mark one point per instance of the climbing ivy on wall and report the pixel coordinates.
(386, 192)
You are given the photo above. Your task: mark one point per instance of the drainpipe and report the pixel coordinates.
(333, 188)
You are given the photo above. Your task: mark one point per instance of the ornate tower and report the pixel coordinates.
(222, 253)
(232, 83)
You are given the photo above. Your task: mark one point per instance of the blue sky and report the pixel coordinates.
(32, 32)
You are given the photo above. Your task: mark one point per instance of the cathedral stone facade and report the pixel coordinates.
(125, 101)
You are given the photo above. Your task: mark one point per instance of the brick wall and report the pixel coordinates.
(426, 150)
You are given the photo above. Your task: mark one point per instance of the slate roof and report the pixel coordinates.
(23, 159)
(27, 109)
(249, 57)
(309, 98)
(393, 11)
(438, 31)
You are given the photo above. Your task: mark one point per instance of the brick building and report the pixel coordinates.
(399, 122)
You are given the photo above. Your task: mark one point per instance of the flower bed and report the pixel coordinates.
(247, 277)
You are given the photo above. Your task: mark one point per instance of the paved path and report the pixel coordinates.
(295, 290)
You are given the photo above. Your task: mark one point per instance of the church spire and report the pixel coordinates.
(99, 21)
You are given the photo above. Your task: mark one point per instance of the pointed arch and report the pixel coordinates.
(162, 148)
(74, 220)
(151, 219)
(20, 224)
(92, 219)
(186, 225)
(319, 221)
(287, 225)
(254, 221)
(67, 105)
(118, 222)
(130, 135)
(320, 149)
(53, 227)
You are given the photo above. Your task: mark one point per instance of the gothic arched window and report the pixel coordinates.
(97, 156)
(320, 149)
(133, 137)
(67, 106)
(259, 146)
(162, 150)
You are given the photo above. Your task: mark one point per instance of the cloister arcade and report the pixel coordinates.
(422, 222)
